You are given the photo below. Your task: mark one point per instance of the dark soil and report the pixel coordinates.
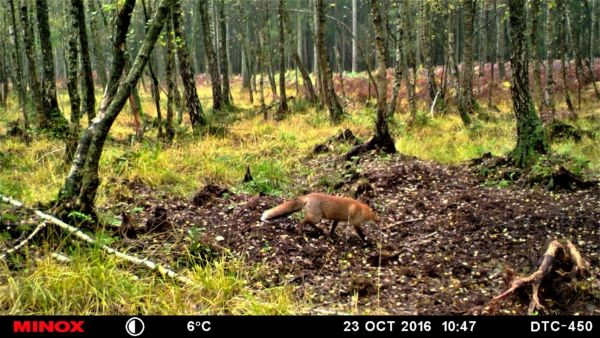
(445, 245)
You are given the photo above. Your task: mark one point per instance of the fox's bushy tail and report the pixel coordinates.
(284, 209)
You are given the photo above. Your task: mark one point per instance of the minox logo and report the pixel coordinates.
(48, 326)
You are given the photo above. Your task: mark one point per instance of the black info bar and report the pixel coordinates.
(306, 326)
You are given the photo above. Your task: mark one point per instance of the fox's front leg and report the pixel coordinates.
(360, 232)
(332, 234)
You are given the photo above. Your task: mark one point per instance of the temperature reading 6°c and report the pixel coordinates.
(198, 325)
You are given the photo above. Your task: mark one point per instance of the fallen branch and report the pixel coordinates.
(23, 242)
(406, 222)
(82, 236)
(60, 257)
(47, 154)
(535, 279)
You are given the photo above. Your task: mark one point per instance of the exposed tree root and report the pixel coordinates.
(345, 136)
(549, 172)
(569, 253)
(385, 144)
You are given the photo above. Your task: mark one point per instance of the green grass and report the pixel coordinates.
(96, 283)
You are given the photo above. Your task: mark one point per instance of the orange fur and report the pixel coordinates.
(319, 206)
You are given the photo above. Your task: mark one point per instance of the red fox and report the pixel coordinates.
(320, 206)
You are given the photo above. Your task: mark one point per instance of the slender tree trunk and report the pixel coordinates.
(550, 110)
(268, 45)
(340, 67)
(169, 66)
(18, 79)
(283, 106)
(244, 71)
(453, 65)
(266, 61)
(223, 55)
(28, 40)
(88, 96)
(576, 53)
(562, 27)
(137, 120)
(500, 40)
(177, 99)
(299, 39)
(211, 56)
(52, 120)
(73, 64)
(186, 70)
(382, 138)
(316, 60)
(428, 38)
(409, 59)
(3, 75)
(355, 33)
(494, 59)
(531, 140)
(251, 71)
(154, 79)
(537, 72)
(466, 105)
(330, 97)
(247, 51)
(391, 109)
(122, 21)
(308, 86)
(261, 70)
(479, 10)
(98, 131)
(97, 48)
(590, 59)
(135, 105)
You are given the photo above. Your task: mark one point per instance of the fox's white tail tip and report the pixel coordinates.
(265, 216)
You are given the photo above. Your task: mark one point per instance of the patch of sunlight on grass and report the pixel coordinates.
(31, 172)
(446, 140)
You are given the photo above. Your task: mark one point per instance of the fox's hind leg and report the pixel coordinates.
(310, 218)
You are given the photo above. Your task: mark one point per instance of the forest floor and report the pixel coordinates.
(444, 245)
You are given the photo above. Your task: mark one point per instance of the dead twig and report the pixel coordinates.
(23, 242)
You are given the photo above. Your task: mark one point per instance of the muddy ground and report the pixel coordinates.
(445, 245)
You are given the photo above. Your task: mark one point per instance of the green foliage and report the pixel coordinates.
(421, 119)
(80, 216)
(269, 178)
(299, 105)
